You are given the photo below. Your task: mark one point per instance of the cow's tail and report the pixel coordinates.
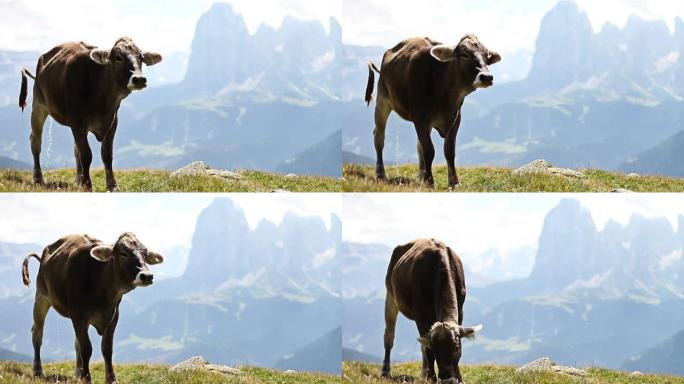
(24, 268)
(23, 93)
(371, 82)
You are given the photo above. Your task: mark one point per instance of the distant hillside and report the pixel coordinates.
(666, 158)
(321, 159)
(349, 354)
(13, 356)
(6, 162)
(322, 355)
(664, 357)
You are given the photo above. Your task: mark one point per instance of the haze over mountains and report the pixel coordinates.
(266, 296)
(245, 101)
(600, 100)
(586, 296)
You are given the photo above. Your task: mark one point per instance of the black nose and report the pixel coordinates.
(139, 81)
(146, 277)
(487, 78)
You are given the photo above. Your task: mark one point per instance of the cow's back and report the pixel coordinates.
(54, 77)
(64, 266)
(410, 78)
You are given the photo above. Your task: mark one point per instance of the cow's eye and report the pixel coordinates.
(118, 59)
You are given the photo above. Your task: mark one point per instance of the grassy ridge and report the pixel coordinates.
(489, 374)
(145, 180)
(403, 178)
(19, 373)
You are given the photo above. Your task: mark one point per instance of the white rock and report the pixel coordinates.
(198, 363)
(636, 373)
(633, 175)
(291, 176)
(290, 372)
(545, 364)
(543, 166)
(199, 168)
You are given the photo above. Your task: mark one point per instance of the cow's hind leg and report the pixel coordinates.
(85, 156)
(38, 117)
(426, 152)
(391, 313)
(107, 348)
(84, 348)
(40, 310)
(79, 169)
(79, 362)
(382, 111)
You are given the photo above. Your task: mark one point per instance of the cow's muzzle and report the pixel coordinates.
(484, 80)
(144, 279)
(137, 82)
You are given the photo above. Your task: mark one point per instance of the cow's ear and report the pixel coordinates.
(443, 53)
(153, 258)
(102, 253)
(151, 58)
(493, 58)
(424, 341)
(469, 332)
(100, 56)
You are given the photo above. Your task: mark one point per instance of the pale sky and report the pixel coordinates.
(475, 223)
(164, 26)
(160, 221)
(168, 26)
(502, 25)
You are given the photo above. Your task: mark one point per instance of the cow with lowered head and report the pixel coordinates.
(82, 86)
(425, 282)
(425, 82)
(84, 279)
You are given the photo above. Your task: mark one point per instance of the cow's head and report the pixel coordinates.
(130, 258)
(126, 61)
(473, 60)
(444, 341)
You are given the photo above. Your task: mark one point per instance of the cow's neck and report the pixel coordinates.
(446, 305)
(114, 287)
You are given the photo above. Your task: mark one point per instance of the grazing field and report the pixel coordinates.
(145, 180)
(20, 373)
(493, 374)
(404, 178)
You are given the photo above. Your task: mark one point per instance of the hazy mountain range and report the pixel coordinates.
(266, 296)
(261, 101)
(589, 293)
(607, 100)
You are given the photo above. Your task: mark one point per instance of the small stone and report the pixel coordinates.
(198, 363)
(226, 370)
(291, 176)
(620, 190)
(290, 372)
(636, 373)
(633, 175)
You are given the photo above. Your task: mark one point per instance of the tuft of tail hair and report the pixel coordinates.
(24, 268)
(371, 82)
(23, 93)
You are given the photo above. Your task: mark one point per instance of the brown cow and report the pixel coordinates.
(425, 82)
(84, 280)
(426, 283)
(82, 86)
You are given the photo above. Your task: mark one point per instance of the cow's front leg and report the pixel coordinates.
(85, 349)
(85, 156)
(427, 153)
(428, 370)
(450, 152)
(107, 152)
(107, 349)
(459, 377)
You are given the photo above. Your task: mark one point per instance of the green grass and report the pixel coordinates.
(490, 374)
(19, 373)
(404, 178)
(145, 180)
